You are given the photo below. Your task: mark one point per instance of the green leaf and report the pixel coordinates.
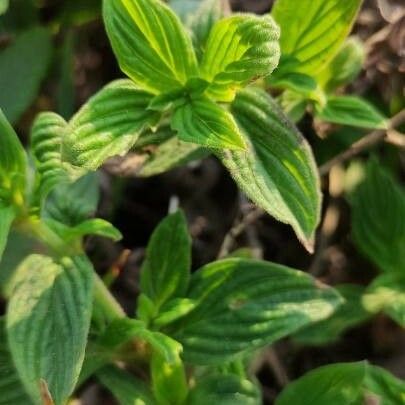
(351, 313)
(387, 294)
(224, 390)
(169, 155)
(166, 270)
(124, 330)
(201, 20)
(7, 215)
(71, 204)
(3, 6)
(13, 165)
(204, 122)
(107, 125)
(169, 381)
(344, 67)
(298, 82)
(11, 388)
(46, 139)
(351, 110)
(128, 389)
(240, 49)
(173, 310)
(243, 305)
(23, 66)
(150, 44)
(293, 104)
(96, 227)
(48, 319)
(344, 383)
(378, 219)
(313, 31)
(278, 171)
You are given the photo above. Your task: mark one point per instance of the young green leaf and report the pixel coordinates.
(169, 155)
(349, 314)
(224, 390)
(344, 383)
(23, 66)
(206, 123)
(244, 305)
(278, 171)
(239, 49)
(128, 389)
(169, 381)
(48, 319)
(313, 30)
(387, 294)
(11, 388)
(173, 310)
(150, 44)
(7, 215)
(13, 164)
(351, 110)
(344, 67)
(378, 219)
(107, 125)
(165, 271)
(46, 139)
(298, 82)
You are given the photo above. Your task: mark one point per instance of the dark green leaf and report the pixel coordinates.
(128, 389)
(351, 110)
(107, 125)
(150, 44)
(23, 66)
(11, 389)
(344, 383)
(245, 304)
(7, 215)
(312, 31)
(165, 271)
(225, 390)
(298, 82)
(206, 123)
(350, 314)
(173, 310)
(13, 165)
(378, 219)
(239, 49)
(71, 204)
(48, 320)
(387, 294)
(278, 171)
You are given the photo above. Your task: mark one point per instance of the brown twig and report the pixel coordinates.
(364, 143)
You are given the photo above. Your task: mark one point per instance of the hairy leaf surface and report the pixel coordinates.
(48, 320)
(46, 143)
(245, 304)
(278, 171)
(206, 123)
(351, 110)
(378, 219)
(107, 125)
(239, 49)
(150, 44)
(166, 270)
(312, 31)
